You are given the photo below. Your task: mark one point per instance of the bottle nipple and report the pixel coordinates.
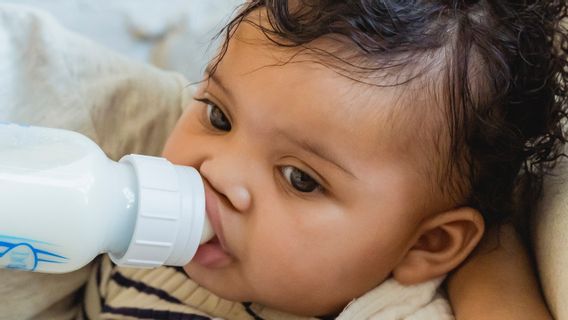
(208, 232)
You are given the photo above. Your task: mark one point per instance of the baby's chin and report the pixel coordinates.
(221, 287)
(215, 282)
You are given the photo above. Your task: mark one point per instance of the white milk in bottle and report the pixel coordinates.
(63, 202)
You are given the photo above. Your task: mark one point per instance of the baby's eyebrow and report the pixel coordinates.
(215, 78)
(316, 149)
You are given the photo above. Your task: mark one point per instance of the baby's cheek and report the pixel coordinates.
(272, 252)
(276, 253)
(173, 145)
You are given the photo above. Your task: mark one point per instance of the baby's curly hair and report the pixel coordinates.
(505, 72)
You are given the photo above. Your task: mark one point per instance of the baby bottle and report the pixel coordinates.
(63, 202)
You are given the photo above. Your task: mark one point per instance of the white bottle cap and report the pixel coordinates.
(171, 220)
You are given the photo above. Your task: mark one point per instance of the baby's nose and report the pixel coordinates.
(239, 197)
(228, 183)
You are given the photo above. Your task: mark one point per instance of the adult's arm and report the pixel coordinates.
(497, 282)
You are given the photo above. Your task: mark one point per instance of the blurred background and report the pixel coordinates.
(171, 34)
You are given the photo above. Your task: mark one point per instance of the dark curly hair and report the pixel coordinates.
(505, 75)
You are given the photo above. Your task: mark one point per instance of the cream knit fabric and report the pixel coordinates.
(167, 293)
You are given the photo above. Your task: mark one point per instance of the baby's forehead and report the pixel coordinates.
(398, 112)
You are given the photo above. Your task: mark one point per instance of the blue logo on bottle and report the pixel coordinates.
(25, 254)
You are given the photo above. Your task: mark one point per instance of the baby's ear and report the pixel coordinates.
(443, 241)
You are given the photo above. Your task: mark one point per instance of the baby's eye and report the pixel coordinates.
(300, 180)
(217, 117)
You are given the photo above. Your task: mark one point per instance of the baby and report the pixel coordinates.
(351, 148)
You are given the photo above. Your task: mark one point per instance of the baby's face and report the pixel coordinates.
(313, 199)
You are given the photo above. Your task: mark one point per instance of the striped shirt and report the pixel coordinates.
(168, 293)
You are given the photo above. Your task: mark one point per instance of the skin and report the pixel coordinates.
(372, 214)
(498, 277)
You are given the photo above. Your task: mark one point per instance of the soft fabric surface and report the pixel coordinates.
(51, 77)
(156, 32)
(551, 240)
